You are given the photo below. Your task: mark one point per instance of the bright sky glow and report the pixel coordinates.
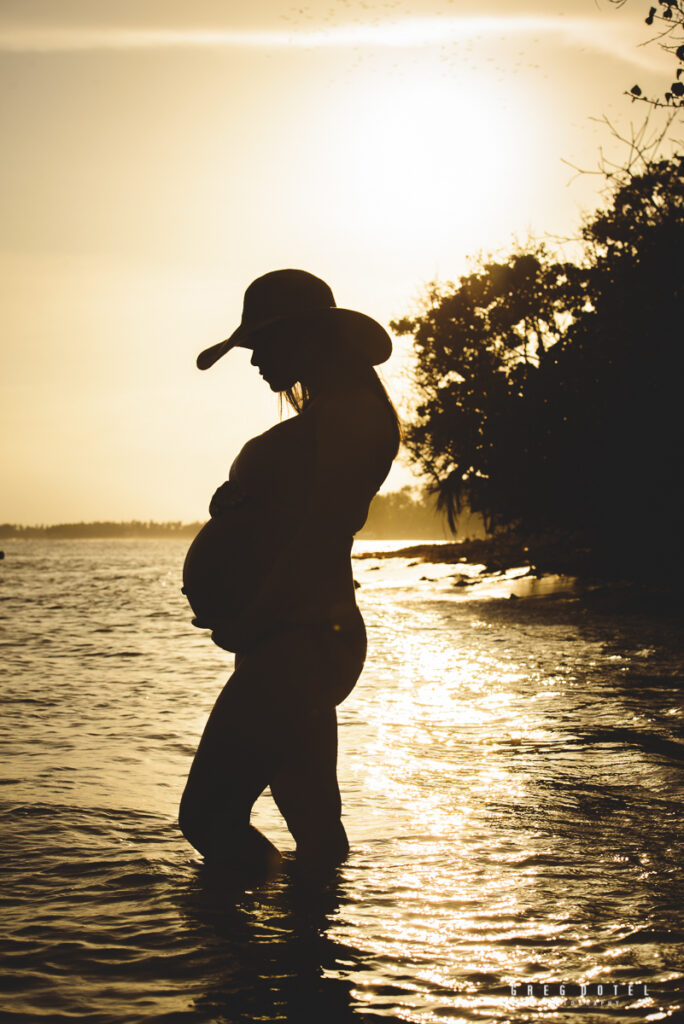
(151, 171)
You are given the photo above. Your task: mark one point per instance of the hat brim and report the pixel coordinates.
(364, 333)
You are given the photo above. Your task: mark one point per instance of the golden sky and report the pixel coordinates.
(159, 155)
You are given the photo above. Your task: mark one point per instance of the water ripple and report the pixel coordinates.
(511, 773)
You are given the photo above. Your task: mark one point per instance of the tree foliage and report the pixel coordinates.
(665, 18)
(410, 514)
(549, 392)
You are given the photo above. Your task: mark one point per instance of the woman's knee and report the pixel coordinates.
(226, 839)
(194, 821)
(209, 825)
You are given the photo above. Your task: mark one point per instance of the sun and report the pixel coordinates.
(430, 158)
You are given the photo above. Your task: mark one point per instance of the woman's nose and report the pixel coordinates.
(254, 360)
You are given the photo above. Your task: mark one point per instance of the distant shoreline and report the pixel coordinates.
(100, 530)
(138, 529)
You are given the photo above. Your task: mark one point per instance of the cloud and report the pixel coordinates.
(601, 34)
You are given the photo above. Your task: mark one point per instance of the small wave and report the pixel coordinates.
(649, 742)
(112, 654)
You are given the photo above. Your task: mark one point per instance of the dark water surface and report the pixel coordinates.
(511, 774)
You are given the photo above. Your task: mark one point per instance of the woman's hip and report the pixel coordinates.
(308, 665)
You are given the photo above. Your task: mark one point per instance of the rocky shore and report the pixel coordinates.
(498, 553)
(599, 578)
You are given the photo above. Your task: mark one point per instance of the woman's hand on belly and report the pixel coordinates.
(225, 497)
(240, 634)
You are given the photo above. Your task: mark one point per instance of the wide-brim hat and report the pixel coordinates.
(291, 296)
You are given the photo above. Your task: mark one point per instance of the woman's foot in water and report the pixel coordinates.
(323, 851)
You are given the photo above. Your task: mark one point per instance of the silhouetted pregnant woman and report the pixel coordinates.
(270, 575)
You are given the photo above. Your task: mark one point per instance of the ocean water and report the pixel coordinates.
(511, 772)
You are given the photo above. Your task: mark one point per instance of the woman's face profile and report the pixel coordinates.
(278, 356)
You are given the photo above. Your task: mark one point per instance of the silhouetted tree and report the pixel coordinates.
(549, 392)
(480, 351)
(410, 514)
(666, 19)
(621, 366)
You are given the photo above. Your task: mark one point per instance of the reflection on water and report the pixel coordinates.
(511, 773)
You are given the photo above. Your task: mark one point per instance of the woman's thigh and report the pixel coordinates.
(304, 782)
(304, 778)
(275, 721)
(231, 766)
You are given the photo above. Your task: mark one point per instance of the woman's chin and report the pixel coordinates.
(278, 385)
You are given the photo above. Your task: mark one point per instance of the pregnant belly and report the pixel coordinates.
(225, 565)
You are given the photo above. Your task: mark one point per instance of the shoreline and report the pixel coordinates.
(562, 556)
(556, 567)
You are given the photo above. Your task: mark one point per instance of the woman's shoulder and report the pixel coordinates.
(361, 423)
(354, 409)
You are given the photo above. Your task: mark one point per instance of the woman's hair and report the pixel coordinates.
(348, 364)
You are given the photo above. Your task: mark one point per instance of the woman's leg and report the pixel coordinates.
(305, 789)
(230, 769)
(304, 783)
(275, 723)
